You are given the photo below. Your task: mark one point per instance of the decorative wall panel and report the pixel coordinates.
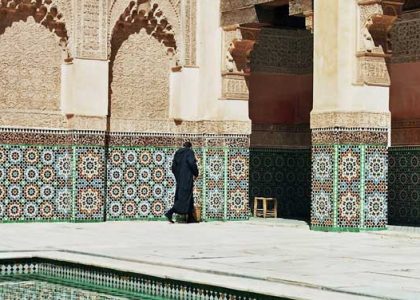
(140, 83)
(30, 63)
(140, 182)
(405, 39)
(215, 183)
(91, 29)
(237, 184)
(404, 180)
(73, 180)
(190, 32)
(283, 51)
(35, 183)
(349, 180)
(284, 174)
(89, 182)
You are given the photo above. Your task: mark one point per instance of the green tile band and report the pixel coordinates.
(362, 185)
(225, 192)
(204, 205)
(335, 185)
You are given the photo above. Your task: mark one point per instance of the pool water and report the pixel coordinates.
(13, 289)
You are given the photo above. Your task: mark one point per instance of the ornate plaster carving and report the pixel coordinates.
(140, 85)
(30, 64)
(142, 48)
(186, 127)
(32, 119)
(235, 86)
(143, 15)
(86, 123)
(66, 9)
(350, 120)
(44, 12)
(190, 32)
(91, 29)
(376, 18)
(170, 9)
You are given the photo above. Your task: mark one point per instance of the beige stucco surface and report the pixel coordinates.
(335, 45)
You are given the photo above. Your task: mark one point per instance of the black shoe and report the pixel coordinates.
(191, 219)
(169, 218)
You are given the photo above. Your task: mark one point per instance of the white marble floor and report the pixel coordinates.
(276, 257)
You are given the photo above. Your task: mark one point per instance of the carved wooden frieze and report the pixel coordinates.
(241, 49)
(406, 39)
(283, 51)
(376, 18)
(238, 44)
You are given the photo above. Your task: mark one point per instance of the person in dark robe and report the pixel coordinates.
(184, 167)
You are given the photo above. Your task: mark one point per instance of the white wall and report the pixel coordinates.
(335, 45)
(196, 92)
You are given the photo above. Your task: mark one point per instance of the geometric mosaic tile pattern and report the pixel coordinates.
(284, 174)
(404, 186)
(41, 275)
(323, 208)
(35, 183)
(70, 183)
(349, 187)
(376, 187)
(140, 183)
(237, 184)
(215, 183)
(88, 184)
(34, 289)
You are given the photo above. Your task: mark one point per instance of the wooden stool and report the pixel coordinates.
(265, 212)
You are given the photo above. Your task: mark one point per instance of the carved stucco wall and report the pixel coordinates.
(30, 63)
(140, 86)
(170, 8)
(65, 8)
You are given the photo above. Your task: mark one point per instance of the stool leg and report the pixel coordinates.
(275, 208)
(255, 206)
(265, 207)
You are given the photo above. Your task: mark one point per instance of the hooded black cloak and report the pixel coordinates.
(184, 167)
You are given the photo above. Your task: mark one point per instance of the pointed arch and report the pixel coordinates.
(171, 9)
(44, 12)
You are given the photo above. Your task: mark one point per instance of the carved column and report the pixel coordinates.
(238, 44)
(350, 120)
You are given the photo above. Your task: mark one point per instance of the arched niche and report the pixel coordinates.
(33, 45)
(143, 49)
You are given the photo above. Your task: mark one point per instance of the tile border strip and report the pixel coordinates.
(106, 280)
